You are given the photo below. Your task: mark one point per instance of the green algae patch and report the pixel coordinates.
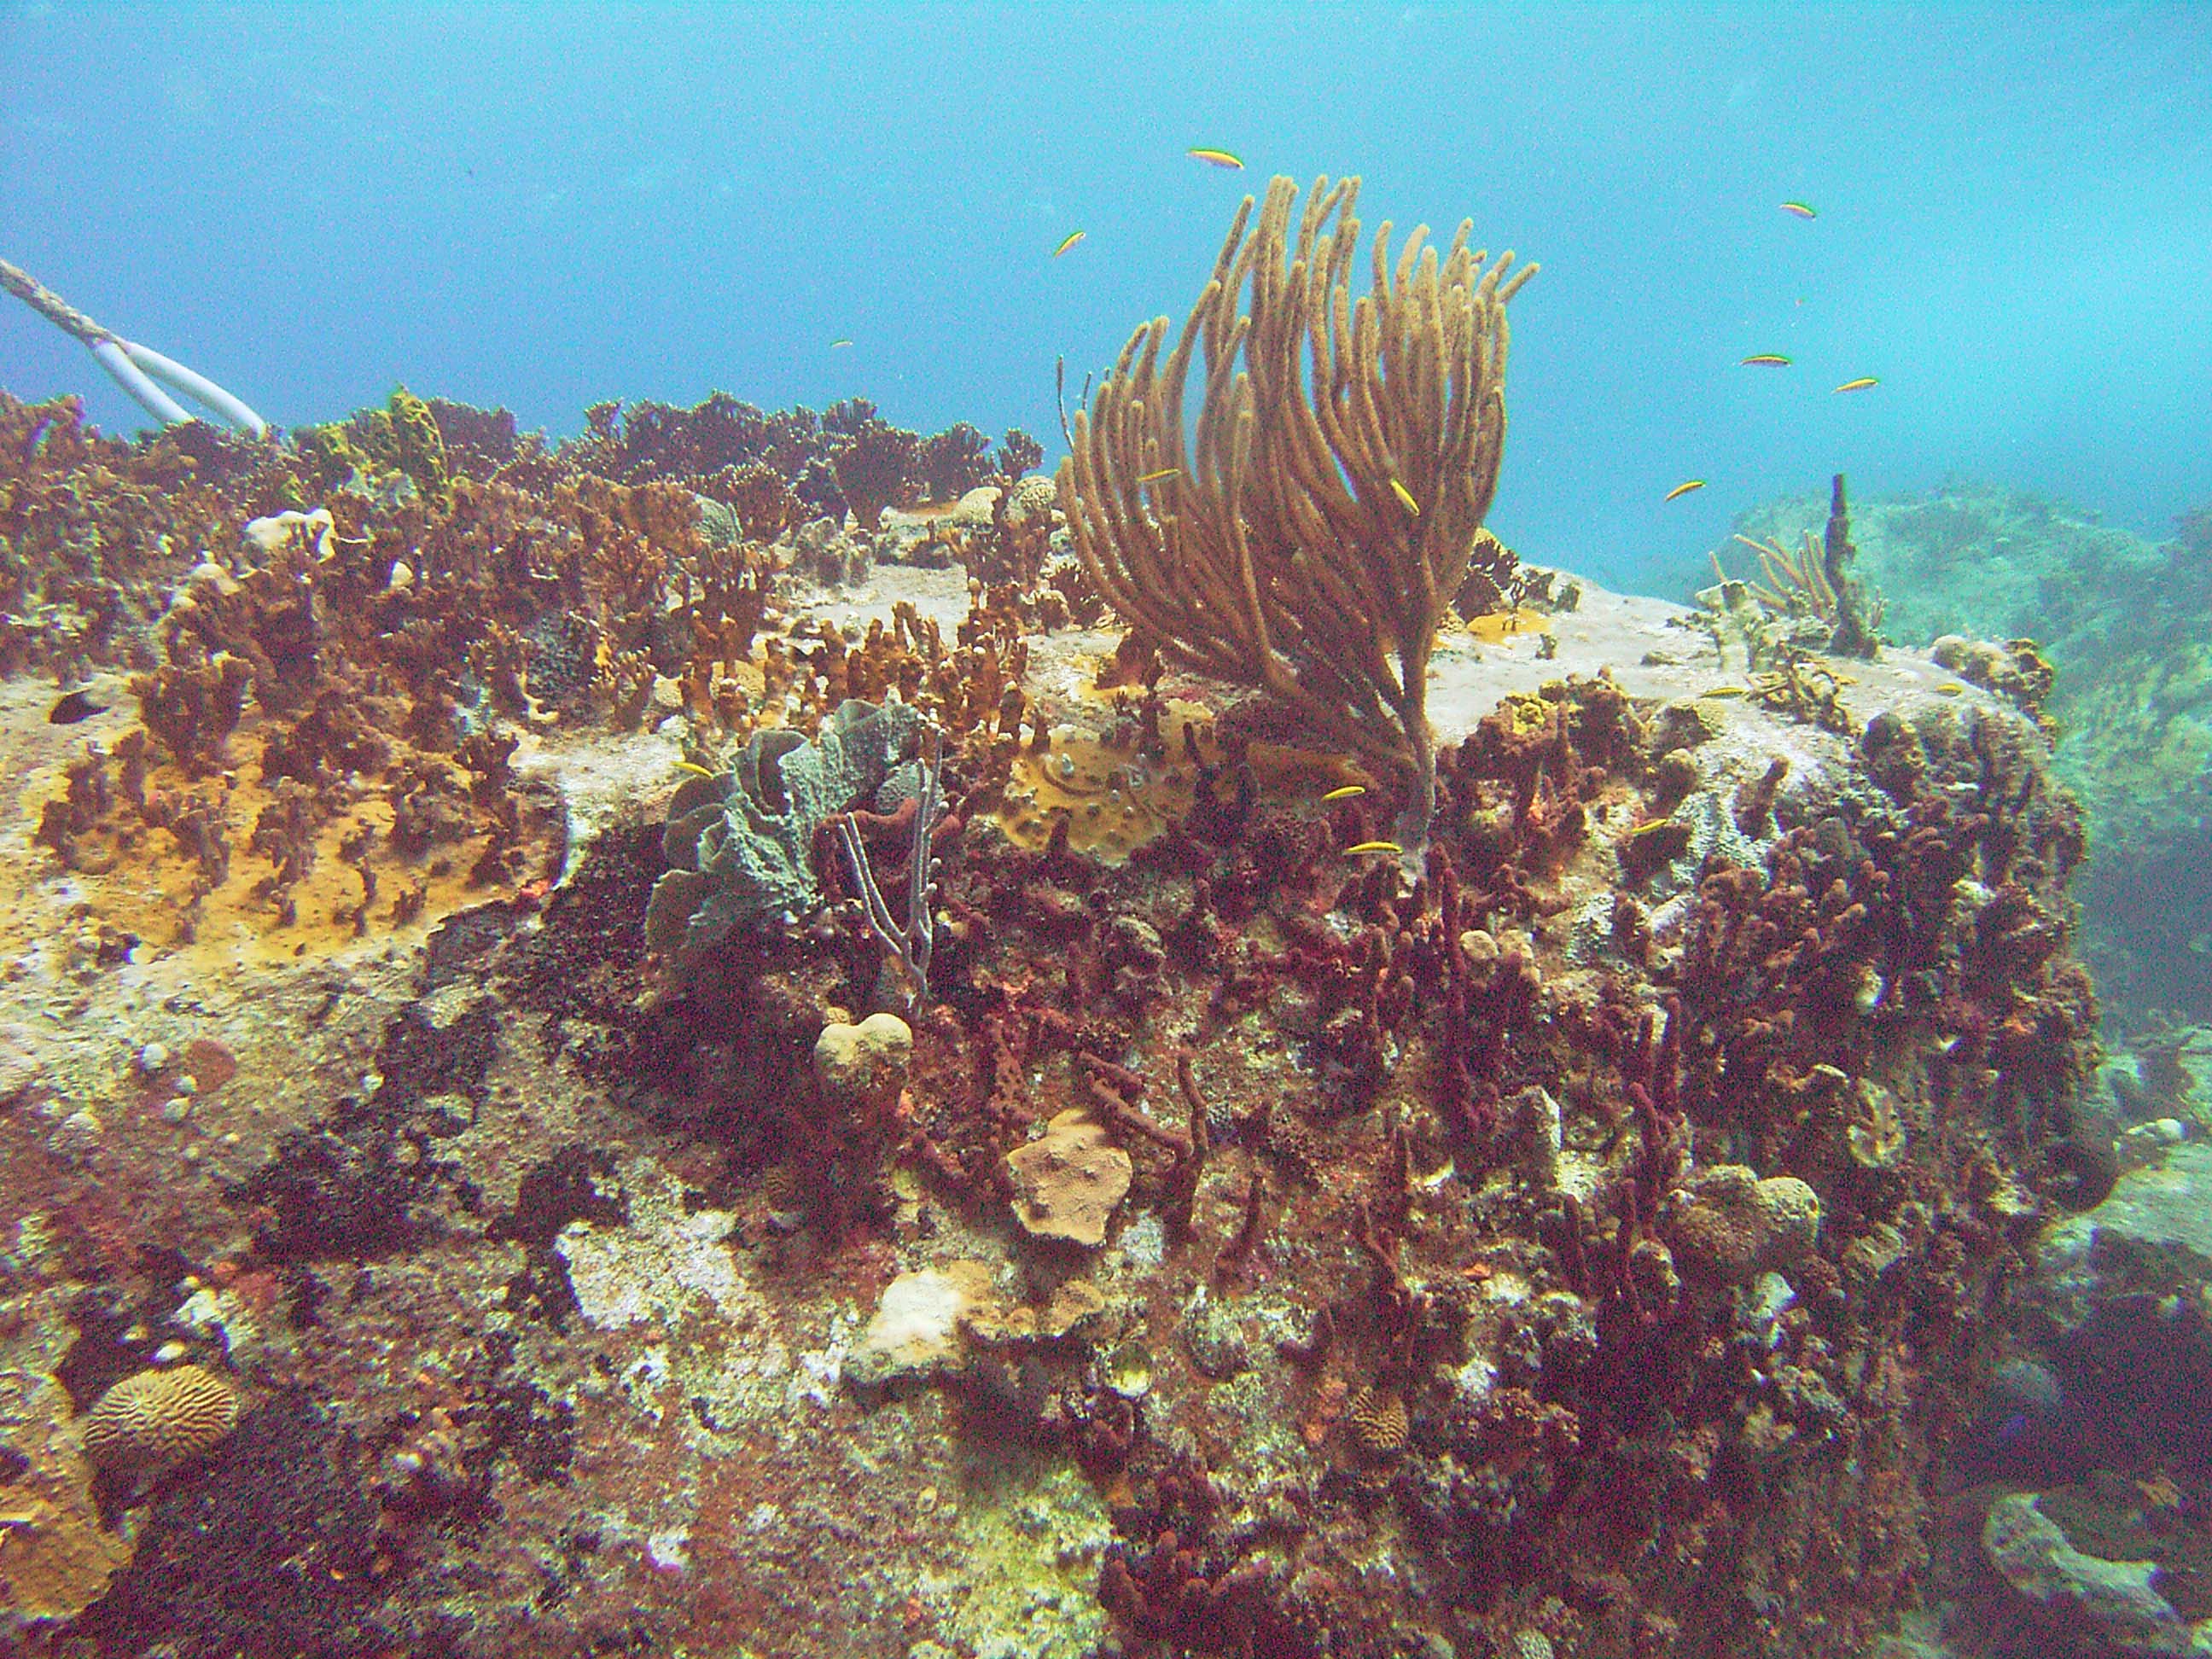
(1032, 1531)
(369, 450)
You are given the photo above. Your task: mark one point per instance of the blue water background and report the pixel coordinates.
(544, 207)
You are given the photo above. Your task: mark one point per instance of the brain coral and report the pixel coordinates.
(1378, 1422)
(152, 1418)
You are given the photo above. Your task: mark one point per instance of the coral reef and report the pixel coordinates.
(663, 1073)
(2122, 684)
(454, 591)
(771, 468)
(92, 529)
(276, 1549)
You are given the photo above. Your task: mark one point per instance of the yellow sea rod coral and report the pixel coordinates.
(1346, 453)
(152, 1419)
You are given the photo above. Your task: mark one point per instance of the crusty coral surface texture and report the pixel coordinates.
(1589, 1247)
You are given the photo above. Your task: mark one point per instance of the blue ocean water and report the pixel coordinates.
(545, 206)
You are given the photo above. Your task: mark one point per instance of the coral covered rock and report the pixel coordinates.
(1594, 1243)
(1736, 1226)
(273, 1549)
(2118, 661)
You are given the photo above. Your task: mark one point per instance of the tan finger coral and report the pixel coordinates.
(152, 1419)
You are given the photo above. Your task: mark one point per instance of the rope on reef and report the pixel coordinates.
(141, 371)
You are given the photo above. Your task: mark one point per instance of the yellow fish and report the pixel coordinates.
(1722, 691)
(1766, 360)
(1345, 791)
(1682, 489)
(1154, 477)
(1374, 846)
(1950, 688)
(1405, 498)
(1859, 384)
(1069, 241)
(834, 344)
(695, 770)
(1220, 158)
(1800, 209)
